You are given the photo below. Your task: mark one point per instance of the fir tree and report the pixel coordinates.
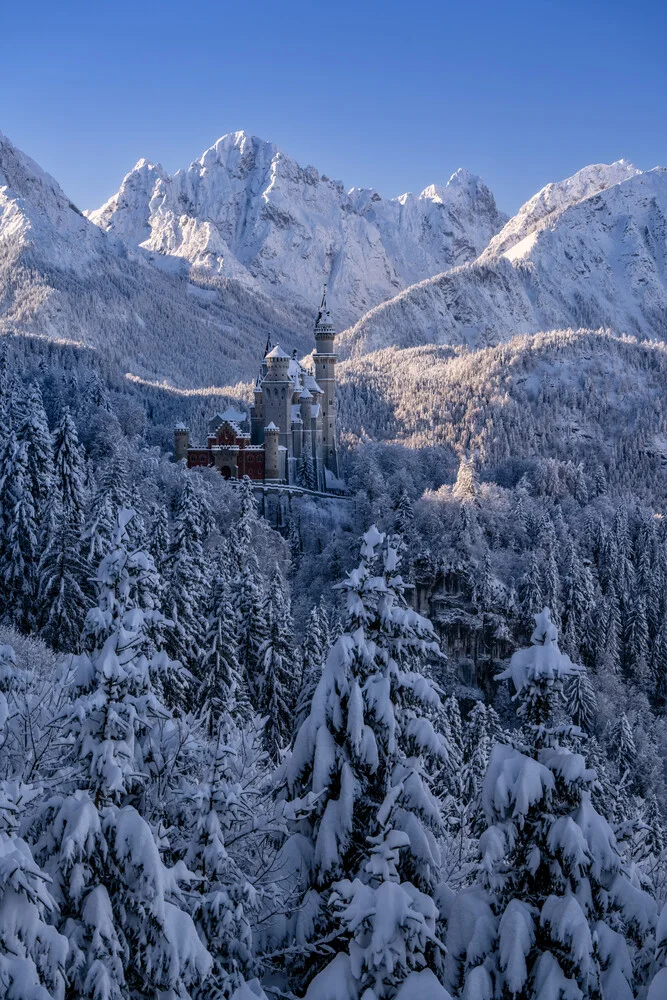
(187, 582)
(581, 700)
(359, 753)
(315, 644)
(561, 916)
(120, 906)
(277, 683)
(222, 692)
(32, 952)
(19, 547)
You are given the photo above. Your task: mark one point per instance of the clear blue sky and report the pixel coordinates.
(394, 95)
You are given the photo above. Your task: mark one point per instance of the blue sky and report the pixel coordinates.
(393, 95)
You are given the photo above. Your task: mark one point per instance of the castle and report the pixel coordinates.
(290, 435)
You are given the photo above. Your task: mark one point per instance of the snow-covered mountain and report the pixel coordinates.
(590, 251)
(247, 211)
(62, 278)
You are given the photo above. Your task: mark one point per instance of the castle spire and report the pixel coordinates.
(323, 316)
(268, 344)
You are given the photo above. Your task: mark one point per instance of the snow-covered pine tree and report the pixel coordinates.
(33, 431)
(223, 900)
(18, 542)
(305, 473)
(404, 514)
(187, 582)
(68, 472)
(62, 568)
(315, 646)
(554, 911)
(222, 692)
(581, 700)
(359, 753)
(159, 540)
(277, 684)
(32, 952)
(100, 526)
(120, 907)
(530, 590)
(62, 572)
(466, 487)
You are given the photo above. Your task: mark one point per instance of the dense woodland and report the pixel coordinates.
(236, 761)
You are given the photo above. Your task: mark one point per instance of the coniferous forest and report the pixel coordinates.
(405, 745)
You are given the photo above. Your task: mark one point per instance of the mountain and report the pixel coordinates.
(247, 211)
(62, 278)
(590, 251)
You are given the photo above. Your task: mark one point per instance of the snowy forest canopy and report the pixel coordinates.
(353, 758)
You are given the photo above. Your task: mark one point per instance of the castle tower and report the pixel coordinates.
(181, 442)
(271, 452)
(277, 392)
(325, 375)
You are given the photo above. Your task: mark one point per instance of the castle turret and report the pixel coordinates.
(181, 442)
(325, 375)
(271, 452)
(277, 391)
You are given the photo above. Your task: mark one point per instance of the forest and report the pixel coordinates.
(241, 762)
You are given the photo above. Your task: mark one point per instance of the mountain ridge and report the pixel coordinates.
(596, 261)
(247, 210)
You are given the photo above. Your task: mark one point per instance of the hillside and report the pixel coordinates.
(581, 395)
(247, 211)
(590, 251)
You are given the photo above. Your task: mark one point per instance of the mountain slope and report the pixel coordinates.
(247, 211)
(61, 277)
(576, 395)
(563, 261)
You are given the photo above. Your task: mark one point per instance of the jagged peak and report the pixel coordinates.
(555, 198)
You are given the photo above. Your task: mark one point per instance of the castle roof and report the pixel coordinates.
(277, 352)
(271, 427)
(305, 394)
(324, 316)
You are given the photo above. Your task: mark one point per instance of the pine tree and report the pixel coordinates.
(120, 907)
(581, 700)
(62, 602)
(68, 469)
(530, 591)
(305, 473)
(561, 916)
(404, 514)
(222, 692)
(223, 897)
(18, 542)
(315, 644)
(187, 582)
(34, 432)
(466, 487)
(359, 753)
(159, 541)
(32, 952)
(277, 684)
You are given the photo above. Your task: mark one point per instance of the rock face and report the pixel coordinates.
(588, 252)
(247, 211)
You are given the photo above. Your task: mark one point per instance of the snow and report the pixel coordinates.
(422, 986)
(658, 988)
(513, 783)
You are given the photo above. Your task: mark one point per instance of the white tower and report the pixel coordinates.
(325, 376)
